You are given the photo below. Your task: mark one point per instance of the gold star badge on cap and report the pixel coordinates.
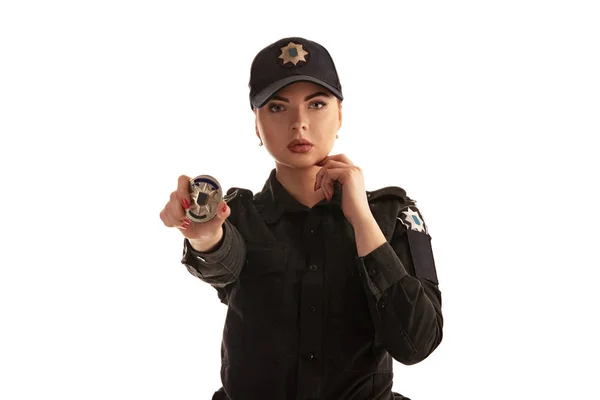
(293, 53)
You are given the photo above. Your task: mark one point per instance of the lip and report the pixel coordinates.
(297, 142)
(301, 148)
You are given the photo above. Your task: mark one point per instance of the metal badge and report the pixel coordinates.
(205, 194)
(293, 53)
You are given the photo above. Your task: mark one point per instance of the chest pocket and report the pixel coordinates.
(260, 295)
(262, 280)
(264, 259)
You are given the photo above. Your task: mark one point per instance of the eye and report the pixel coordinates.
(274, 107)
(317, 104)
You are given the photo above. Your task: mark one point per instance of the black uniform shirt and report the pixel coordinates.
(309, 319)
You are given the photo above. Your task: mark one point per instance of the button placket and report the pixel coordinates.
(311, 297)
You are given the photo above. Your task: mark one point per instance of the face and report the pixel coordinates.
(302, 110)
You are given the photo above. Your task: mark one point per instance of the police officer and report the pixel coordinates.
(326, 283)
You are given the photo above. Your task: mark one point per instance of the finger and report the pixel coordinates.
(339, 174)
(166, 216)
(330, 164)
(183, 188)
(338, 164)
(164, 219)
(169, 221)
(184, 229)
(223, 211)
(341, 157)
(185, 221)
(327, 188)
(176, 220)
(319, 177)
(326, 184)
(175, 207)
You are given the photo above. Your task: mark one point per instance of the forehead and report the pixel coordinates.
(300, 89)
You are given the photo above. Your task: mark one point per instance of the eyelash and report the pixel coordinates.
(324, 104)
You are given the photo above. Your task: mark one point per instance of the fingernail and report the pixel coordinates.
(224, 207)
(185, 203)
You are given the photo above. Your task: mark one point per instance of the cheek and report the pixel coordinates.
(269, 129)
(330, 121)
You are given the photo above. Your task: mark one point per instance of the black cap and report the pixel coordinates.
(290, 60)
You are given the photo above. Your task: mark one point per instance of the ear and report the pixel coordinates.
(340, 114)
(256, 123)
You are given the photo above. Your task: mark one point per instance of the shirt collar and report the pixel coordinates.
(274, 200)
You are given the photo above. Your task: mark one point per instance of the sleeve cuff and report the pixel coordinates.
(381, 268)
(213, 257)
(219, 267)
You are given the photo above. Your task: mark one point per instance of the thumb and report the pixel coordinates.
(223, 211)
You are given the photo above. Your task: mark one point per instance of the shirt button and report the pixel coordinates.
(381, 304)
(311, 356)
(373, 272)
(313, 232)
(313, 308)
(313, 268)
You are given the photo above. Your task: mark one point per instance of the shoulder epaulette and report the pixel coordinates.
(390, 191)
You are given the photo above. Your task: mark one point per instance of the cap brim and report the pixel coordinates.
(262, 97)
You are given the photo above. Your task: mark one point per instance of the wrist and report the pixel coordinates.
(362, 221)
(368, 235)
(207, 245)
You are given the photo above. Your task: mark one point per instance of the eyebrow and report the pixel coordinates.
(307, 98)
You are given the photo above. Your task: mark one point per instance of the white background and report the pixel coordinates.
(487, 113)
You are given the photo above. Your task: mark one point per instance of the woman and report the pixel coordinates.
(325, 282)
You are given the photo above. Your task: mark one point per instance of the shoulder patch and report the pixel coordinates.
(403, 209)
(411, 218)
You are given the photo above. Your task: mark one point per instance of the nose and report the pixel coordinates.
(298, 119)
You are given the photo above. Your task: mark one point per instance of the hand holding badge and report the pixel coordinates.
(205, 195)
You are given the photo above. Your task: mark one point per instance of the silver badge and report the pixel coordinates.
(205, 194)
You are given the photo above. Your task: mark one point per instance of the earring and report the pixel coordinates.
(260, 144)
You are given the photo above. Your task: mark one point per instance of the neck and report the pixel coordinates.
(300, 183)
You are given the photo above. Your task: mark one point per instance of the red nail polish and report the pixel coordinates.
(224, 207)
(185, 203)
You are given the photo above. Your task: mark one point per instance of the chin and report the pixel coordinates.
(306, 162)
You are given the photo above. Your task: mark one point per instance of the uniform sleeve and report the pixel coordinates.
(221, 266)
(402, 290)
